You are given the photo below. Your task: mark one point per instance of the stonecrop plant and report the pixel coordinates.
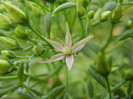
(66, 49)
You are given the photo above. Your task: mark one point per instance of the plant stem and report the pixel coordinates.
(82, 28)
(66, 79)
(49, 76)
(37, 33)
(108, 88)
(119, 85)
(109, 39)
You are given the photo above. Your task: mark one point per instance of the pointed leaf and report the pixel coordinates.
(79, 45)
(56, 45)
(97, 77)
(68, 37)
(55, 92)
(69, 61)
(54, 58)
(63, 7)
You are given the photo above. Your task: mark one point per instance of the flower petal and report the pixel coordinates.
(69, 61)
(68, 37)
(80, 44)
(55, 44)
(54, 58)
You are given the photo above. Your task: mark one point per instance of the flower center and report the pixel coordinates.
(66, 51)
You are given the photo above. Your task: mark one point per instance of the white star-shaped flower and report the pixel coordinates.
(67, 51)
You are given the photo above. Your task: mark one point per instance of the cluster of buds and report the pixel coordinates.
(15, 13)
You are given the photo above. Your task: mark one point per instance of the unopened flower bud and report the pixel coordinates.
(117, 14)
(35, 9)
(15, 13)
(129, 24)
(85, 3)
(8, 54)
(2, 8)
(91, 14)
(128, 74)
(20, 33)
(97, 14)
(4, 66)
(9, 42)
(16, 63)
(105, 15)
(103, 67)
(37, 50)
(80, 9)
(5, 21)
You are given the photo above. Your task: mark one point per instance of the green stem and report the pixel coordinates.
(109, 39)
(127, 3)
(66, 79)
(108, 88)
(82, 28)
(119, 85)
(37, 33)
(49, 76)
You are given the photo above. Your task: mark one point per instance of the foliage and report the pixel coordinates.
(102, 65)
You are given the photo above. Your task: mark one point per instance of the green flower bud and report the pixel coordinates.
(4, 66)
(117, 14)
(36, 10)
(128, 74)
(15, 13)
(85, 3)
(91, 14)
(9, 42)
(66, 51)
(8, 54)
(16, 63)
(36, 50)
(97, 14)
(80, 9)
(105, 15)
(20, 33)
(129, 24)
(103, 67)
(2, 8)
(5, 21)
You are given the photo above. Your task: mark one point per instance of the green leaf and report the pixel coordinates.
(90, 89)
(8, 78)
(109, 6)
(20, 72)
(88, 27)
(97, 77)
(48, 22)
(55, 92)
(37, 92)
(126, 34)
(6, 90)
(63, 7)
